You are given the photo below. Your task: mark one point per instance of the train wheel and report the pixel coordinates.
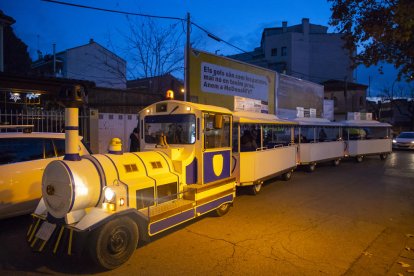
(114, 243)
(336, 162)
(383, 156)
(311, 167)
(223, 209)
(287, 176)
(359, 158)
(255, 189)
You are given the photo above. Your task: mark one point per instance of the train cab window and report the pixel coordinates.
(177, 128)
(215, 137)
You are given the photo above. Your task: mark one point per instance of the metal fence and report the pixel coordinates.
(44, 121)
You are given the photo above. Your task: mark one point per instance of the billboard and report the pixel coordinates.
(293, 92)
(247, 104)
(217, 80)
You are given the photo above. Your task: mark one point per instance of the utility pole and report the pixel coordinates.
(54, 59)
(369, 86)
(187, 96)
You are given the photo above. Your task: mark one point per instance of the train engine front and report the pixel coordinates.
(103, 204)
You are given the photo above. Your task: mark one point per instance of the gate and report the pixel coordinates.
(45, 121)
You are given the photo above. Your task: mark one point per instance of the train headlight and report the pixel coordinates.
(115, 197)
(109, 194)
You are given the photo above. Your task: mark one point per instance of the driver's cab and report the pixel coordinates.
(196, 137)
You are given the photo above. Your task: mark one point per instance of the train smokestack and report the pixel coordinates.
(72, 97)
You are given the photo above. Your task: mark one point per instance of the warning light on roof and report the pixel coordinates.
(169, 95)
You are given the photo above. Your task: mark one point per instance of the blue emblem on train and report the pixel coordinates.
(216, 165)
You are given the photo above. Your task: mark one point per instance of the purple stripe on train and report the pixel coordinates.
(214, 204)
(191, 172)
(171, 221)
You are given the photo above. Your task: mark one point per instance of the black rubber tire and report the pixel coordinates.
(359, 158)
(383, 156)
(287, 176)
(255, 189)
(112, 244)
(336, 162)
(223, 209)
(311, 167)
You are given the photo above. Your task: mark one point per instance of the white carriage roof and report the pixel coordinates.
(316, 122)
(203, 107)
(364, 123)
(259, 118)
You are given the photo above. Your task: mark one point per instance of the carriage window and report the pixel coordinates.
(376, 132)
(355, 133)
(250, 138)
(327, 134)
(216, 138)
(235, 137)
(178, 128)
(276, 135)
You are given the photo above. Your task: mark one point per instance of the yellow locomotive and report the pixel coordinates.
(106, 203)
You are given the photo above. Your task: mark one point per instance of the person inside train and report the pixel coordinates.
(322, 135)
(247, 142)
(134, 139)
(301, 138)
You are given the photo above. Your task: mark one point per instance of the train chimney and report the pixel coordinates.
(71, 96)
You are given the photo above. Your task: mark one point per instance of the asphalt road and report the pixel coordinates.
(355, 219)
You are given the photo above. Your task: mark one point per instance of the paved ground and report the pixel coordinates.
(356, 219)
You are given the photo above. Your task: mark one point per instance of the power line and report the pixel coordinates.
(113, 11)
(211, 35)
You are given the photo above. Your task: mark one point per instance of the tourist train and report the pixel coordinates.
(192, 159)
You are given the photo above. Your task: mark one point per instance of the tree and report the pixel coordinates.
(380, 30)
(153, 49)
(401, 104)
(16, 57)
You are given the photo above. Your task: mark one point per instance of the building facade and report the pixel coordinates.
(91, 62)
(159, 85)
(347, 97)
(305, 51)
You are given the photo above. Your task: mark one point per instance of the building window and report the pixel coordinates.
(361, 101)
(273, 52)
(284, 51)
(335, 99)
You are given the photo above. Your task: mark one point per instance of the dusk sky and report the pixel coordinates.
(40, 24)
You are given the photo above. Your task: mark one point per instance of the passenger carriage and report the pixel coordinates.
(262, 148)
(319, 140)
(366, 137)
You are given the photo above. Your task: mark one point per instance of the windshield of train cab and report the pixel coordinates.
(177, 128)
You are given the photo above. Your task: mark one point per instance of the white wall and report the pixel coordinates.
(94, 63)
(115, 125)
